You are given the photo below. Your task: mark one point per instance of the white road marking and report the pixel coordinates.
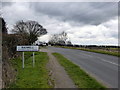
(109, 62)
(102, 59)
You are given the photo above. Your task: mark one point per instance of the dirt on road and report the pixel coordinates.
(57, 72)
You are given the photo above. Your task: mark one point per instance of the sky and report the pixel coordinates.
(86, 23)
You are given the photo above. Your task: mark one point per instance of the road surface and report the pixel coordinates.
(102, 67)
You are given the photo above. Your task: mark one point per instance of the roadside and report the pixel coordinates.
(100, 66)
(31, 77)
(57, 72)
(51, 70)
(80, 77)
(45, 74)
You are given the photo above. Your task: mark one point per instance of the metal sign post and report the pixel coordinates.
(23, 60)
(27, 48)
(33, 59)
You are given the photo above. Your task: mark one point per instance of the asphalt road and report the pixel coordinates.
(102, 67)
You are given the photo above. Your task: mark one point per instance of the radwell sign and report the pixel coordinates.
(27, 48)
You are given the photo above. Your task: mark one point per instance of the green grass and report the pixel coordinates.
(31, 77)
(79, 77)
(96, 51)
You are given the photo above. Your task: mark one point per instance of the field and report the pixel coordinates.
(109, 51)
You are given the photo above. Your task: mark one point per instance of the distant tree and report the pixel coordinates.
(62, 38)
(53, 39)
(31, 29)
(59, 39)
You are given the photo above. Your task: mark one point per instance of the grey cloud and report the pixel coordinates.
(53, 15)
(115, 35)
(88, 37)
(86, 13)
(6, 4)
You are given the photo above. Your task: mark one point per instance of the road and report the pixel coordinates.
(102, 67)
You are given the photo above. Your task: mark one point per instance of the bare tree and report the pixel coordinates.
(59, 39)
(31, 29)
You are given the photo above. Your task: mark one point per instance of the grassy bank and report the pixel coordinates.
(30, 77)
(79, 77)
(96, 51)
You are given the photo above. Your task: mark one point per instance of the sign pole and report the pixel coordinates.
(23, 59)
(28, 48)
(33, 59)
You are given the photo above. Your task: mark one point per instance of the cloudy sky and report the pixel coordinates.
(85, 22)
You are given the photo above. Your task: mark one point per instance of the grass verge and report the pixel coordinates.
(96, 51)
(31, 77)
(79, 77)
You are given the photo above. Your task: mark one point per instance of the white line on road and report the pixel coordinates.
(109, 62)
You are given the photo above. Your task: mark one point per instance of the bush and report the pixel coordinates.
(10, 41)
